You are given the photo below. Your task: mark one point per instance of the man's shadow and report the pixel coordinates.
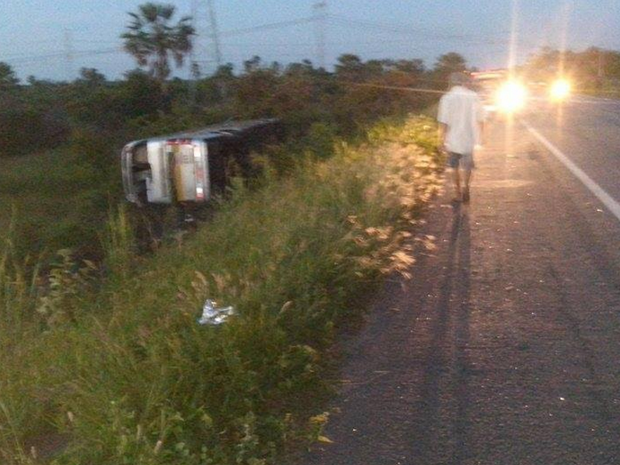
(462, 336)
(447, 367)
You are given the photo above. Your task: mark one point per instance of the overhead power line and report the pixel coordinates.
(421, 34)
(25, 58)
(398, 33)
(264, 27)
(396, 88)
(383, 27)
(497, 38)
(60, 54)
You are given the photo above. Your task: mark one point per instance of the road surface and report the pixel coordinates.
(505, 347)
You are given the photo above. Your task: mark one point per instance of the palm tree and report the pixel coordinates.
(151, 39)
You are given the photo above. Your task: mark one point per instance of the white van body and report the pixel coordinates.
(186, 167)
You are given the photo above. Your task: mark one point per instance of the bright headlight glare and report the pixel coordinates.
(560, 89)
(511, 96)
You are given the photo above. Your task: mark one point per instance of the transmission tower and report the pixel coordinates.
(215, 33)
(207, 53)
(319, 10)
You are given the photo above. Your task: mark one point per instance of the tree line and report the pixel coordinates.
(593, 69)
(39, 114)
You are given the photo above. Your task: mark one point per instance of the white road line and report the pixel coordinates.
(604, 197)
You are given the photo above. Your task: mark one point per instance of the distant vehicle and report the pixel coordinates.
(500, 92)
(487, 84)
(560, 90)
(190, 167)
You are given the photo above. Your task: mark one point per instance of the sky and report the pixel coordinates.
(54, 39)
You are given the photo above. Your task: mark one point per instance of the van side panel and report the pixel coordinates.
(184, 172)
(191, 167)
(158, 184)
(127, 170)
(191, 170)
(201, 161)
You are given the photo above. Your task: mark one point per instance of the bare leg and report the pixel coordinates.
(456, 180)
(467, 179)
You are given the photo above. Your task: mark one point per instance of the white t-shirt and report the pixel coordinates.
(462, 111)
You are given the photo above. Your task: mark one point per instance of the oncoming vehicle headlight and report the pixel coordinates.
(511, 97)
(560, 90)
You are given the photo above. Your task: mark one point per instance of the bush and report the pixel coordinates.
(61, 197)
(24, 130)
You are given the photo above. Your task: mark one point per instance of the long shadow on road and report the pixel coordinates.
(446, 371)
(407, 396)
(462, 338)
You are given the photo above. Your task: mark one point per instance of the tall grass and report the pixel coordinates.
(61, 196)
(119, 245)
(131, 378)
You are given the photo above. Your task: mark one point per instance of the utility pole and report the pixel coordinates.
(192, 52)
(198, 52)
(514, 38)
(601, 63)
(194, 68)
(564, 27)
(215, 33)
(320, 26)
(69, 54)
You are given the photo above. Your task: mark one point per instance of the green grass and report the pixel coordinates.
(59, 199)
(122, 373)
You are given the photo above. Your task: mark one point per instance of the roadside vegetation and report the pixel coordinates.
(594, 71)
(60, 142)
(119, 371)
(103, 360)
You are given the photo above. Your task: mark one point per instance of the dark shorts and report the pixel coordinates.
(459, 160)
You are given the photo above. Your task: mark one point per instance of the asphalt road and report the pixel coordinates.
(587, 130)
(505, 346)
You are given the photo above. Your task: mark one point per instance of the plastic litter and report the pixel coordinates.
(214, 315)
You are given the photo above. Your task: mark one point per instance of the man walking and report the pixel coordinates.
(461, 121)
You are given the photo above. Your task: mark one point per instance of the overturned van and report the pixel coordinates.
(190, 167)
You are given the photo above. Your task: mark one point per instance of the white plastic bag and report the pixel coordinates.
(214, 315)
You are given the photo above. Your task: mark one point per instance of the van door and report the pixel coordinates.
(158, 183)
(190, 170)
